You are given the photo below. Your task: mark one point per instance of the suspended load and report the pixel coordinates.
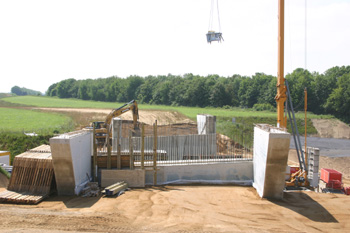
(214, 35)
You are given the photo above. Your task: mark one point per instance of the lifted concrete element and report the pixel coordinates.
(271, 147)
(71, 155)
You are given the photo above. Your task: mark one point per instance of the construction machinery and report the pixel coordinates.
(102, 127)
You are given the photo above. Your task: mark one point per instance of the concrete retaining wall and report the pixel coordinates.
(271, 147)
(216, 173)
(71, 157)
(134, 178)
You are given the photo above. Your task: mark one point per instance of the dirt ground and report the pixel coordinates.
(182, 209)
(86, 115)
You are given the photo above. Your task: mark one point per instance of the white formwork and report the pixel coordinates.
(271, 147)
(206, 124)
(71, 157)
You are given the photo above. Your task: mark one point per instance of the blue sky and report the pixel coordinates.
(43, 42)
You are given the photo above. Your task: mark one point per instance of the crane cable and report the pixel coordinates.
(211, 18)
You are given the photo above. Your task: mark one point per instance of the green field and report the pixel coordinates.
(191, 112)
(20, 120)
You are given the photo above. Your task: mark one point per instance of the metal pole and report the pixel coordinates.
(281, 89)
(94, 154)
(143, 146)
(131, 151)
(109, 162)
(305, 108)
(155, 153)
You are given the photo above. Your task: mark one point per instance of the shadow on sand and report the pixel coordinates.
(303, 204)
(74, 201)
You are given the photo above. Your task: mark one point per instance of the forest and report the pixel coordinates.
(328, 93)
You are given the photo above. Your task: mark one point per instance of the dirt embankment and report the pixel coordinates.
(331, 128)
(84, 116)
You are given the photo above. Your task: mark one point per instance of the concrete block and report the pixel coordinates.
(134, 178)
(71, 157)
(313, 179)
(271, 147)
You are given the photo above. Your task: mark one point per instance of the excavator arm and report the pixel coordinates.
(132, 105)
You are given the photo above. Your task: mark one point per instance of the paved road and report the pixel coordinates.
(330, 147)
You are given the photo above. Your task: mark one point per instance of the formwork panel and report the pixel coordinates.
(271, 147)
(71, 155)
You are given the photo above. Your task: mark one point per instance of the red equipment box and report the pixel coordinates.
(294, 170)
(334, 184)
(328, 175)
(347, 190)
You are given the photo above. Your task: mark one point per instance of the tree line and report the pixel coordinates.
(328, 93)
(24, 91)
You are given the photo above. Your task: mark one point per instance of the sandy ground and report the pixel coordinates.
(183, 209)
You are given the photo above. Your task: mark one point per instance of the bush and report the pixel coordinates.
(264, 107)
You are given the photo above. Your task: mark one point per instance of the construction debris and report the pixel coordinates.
(115, 188)
(91, 190)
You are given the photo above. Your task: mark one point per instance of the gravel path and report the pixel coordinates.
(330, 147)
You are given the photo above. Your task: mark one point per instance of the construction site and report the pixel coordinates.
(125, 175)
(137, 173)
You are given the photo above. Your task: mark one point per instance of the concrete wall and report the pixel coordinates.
(215, 173)
(271, 147)
(71, 157)
(134, 178)
(5, 157)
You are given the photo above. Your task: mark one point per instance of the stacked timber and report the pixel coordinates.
(115, 188)
(31, 178)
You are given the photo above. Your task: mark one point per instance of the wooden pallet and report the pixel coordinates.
(31, 178)
(21, 197)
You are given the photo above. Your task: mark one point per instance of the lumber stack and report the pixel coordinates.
(21, 197)
(31, 178)
(115, 188)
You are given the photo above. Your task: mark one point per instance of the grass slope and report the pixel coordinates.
(18, 120)
(191, 112)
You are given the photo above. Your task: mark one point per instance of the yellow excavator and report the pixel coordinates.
(102, 126)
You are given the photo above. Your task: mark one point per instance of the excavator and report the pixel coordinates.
(101, 127)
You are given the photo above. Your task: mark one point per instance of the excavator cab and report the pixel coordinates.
(97, 124)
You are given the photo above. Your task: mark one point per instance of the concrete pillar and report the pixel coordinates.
(206, 124)
(116, 132)
(271, 147)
